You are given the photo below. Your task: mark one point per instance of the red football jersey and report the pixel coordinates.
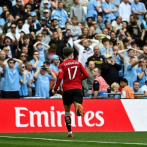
(72, 72)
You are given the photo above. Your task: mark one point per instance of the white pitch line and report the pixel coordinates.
(101, 142)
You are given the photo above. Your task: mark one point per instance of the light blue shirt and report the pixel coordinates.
(40, 63)
(139, 91)
(117, 2)
(42, 85)
(118, 61)
(144, 23)
(103, 51)
(108, 16)
(11, 79)
(54, 67)
(138, 7)
(116, 96)
(130, 74)
(41, 54)
(91, 12)
(61, 16)
(23, 87)
(143, 79)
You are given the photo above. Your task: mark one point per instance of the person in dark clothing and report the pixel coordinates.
(113, 38)
(98, 60)
(110, 70)
(17, 8)
(33, 4)
(135, 29)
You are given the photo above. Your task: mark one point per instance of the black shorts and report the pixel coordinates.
(11, 95)
(73, 95)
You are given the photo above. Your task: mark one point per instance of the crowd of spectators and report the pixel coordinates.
(108, 34)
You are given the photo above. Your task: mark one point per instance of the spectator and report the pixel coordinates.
(138, 91)
(99, 85)
(33, 4)
(17, 8)
(30, 73)
(75, 29)
(130, 71)
(67, 4)
(106, 49)
(87, 83)
(113, 38)
(144, 87)
(61, 15)
(3, 55)
(117, 4)
(125, 58)
(144, 21)
(98, 60)
(55, 63)
(84, 49)
(45, 6)
(110, 69)
(94, 24)
(78, 11)
(11, 74)
(24, 81)
(127, 92)
(42, 81)
(142, 73)
(36, 62)
(38, 47)
(54, 24)
(108, 11)
(19, 27)
(46, 14)
(92, 9)
(100, 24)
(135, 28)
(117, 25)
(124, 9)
(13, 34)
(6, 50)
(114, 90)
(138, 8)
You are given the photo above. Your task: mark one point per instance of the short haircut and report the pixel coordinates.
(35, 52)
(67, 51)
(19, 20)
(125, 40)
(46, 62)
(13, 24)
(26, 37)
(10, 59)
(53, 20)
(74, 17)
(135, 82)
(105, 40)
(124, 80)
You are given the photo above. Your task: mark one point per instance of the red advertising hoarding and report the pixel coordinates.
(48, 116)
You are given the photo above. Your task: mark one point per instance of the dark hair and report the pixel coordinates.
(53, 20)
(19, 20)
(13, 24)
(112, 32)
(125, 40)
(35, 52)
(67, 51)
(104, 40)
(46, 62)
(124, 80)
(10, 59)
(135, 82)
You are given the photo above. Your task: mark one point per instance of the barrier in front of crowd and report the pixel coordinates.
(47, 115)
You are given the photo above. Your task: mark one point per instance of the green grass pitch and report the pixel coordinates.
(80, 139)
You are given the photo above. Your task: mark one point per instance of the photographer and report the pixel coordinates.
(42, 81)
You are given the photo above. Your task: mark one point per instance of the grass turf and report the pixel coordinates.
(80, 139)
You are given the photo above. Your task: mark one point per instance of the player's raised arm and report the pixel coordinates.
(84, 73)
